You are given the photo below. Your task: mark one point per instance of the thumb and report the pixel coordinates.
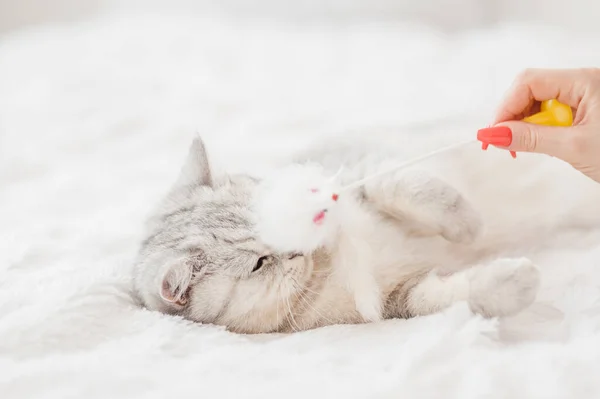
(528, 137)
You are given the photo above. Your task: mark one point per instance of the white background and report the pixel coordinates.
(451, 14)
(95, 119)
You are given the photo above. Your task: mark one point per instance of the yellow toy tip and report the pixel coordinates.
(552, 113)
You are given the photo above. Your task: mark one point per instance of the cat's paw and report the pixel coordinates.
(460, 223)
(427, 204)
(367, 298)
(370, 311)
(503, 287)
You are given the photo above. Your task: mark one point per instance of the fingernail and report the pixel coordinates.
(335, 197)
(513, 154)
(484, 146)
(498, 135)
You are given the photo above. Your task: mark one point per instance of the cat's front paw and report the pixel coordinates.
(368, 302)
(427, 204)
(460, 222)
(370, 310)
(503, 287)
(367, 297)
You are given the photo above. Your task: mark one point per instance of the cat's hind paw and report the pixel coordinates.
(504, 287)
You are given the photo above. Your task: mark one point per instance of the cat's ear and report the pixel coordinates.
(176, 281)
(196, 169)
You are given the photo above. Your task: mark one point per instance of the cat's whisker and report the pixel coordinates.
(277, 322)
(287, 318)
(281, 302)
(299, 291)
(287, 301)
(307, 289)
(321, 273)
(293, 323)
(297, 296)
(307, 301)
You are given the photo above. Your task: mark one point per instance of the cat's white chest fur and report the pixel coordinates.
(354, 259)
(371, 255)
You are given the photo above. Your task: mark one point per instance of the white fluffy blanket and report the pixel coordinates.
(94, 123)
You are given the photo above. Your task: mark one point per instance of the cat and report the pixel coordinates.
(201, 257)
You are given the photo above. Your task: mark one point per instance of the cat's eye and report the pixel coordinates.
(260, 262)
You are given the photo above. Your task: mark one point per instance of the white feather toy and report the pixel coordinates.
(297, 209)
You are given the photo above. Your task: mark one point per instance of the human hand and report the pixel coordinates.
(579, 145)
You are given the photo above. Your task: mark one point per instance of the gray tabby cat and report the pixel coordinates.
(201, 258)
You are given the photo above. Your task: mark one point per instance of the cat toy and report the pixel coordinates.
(295, 208)
(298, 207)
(552, 113)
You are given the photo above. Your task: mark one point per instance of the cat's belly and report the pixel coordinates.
(394, 255)
(377, 248)
(332, 300)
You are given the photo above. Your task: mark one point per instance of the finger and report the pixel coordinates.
(566, 85)
(517, 103)
(527, 137)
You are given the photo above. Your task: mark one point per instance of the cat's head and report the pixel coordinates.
(201, 257)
